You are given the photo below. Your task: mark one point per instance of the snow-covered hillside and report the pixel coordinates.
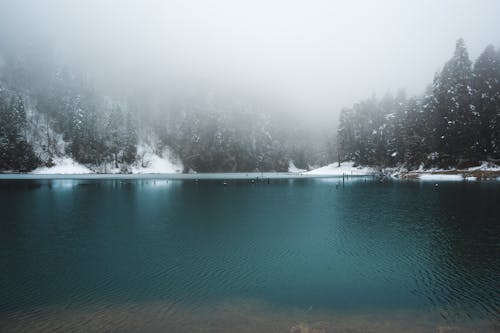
(152, 161)
(63, 165)
(293, 169)
(149, 163)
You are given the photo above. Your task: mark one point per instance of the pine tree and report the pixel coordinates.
(383, 130)
(395, 148)
(458, 120)
(130, 148)
(495, 121)
(414, 142)
(346, 136)
(428, 119)
(486, 96)
(115, 131)
(16, 154)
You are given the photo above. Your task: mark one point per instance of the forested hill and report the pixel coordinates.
(456, 123)
(49, 111)
(53, 113)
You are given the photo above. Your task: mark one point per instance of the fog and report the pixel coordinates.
(307, 57)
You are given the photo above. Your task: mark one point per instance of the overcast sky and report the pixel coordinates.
(313, 56)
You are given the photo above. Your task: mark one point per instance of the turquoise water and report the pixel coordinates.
(185, 255)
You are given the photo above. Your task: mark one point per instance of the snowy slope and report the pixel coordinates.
(293, 169)
(63, 165)
(157, 164)
(152, 160)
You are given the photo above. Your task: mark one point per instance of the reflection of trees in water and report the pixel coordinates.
(463, 282)
(435, 243)
(365, 247)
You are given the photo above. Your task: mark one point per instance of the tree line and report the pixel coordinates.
(51, 111)
(456, 123)
(60, 113)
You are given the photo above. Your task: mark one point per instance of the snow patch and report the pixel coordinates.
(441, 177)
(157, 164)
(485, 166)
(347, 168)
(153, 162)
(293, 169)
(63, 166)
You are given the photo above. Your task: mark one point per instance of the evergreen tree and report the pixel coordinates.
(346, 136)
(130, 144)
(495, 122)
(382, 129)
(86, 140)
(458, 120)
(16, 154)
(487, 98)
(395, 119)
(414, 135)
(115, 131)
(428, 119)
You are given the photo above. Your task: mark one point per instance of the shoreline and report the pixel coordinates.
(256, 176)
(458, 175)
(451, 175)
(347, 170)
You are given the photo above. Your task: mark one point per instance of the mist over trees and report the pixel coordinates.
(124, 86)
(50, 111)
(456, 123)
(59, 112)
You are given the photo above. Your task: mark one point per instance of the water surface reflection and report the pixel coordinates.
(165, 253)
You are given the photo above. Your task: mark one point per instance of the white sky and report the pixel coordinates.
(313, 56)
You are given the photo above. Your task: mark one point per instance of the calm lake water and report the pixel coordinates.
(291, 255)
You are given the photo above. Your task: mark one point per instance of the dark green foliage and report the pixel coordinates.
(415, 135)
(85, 143)
(121, 137)
(94, 135)
(457, 118)
(129, 146)
(74, 110)
(455, 124)
(225, 141)
(230, 135)
(486, 78)
(206, 137)
(15, 152)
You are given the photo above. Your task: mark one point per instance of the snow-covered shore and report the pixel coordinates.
(345, 168)
(63, 166)
(293, 169)
(485, 171)
(150, 164)
(154, 164)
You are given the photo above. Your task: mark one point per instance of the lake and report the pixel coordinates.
(280, 255)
